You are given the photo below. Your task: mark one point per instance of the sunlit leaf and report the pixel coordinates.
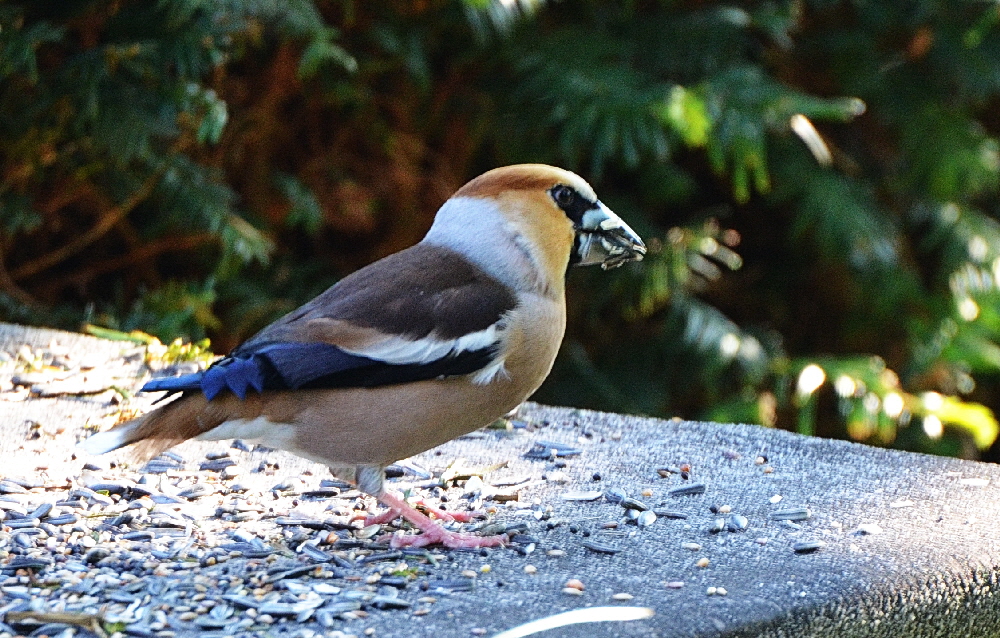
(975, 418)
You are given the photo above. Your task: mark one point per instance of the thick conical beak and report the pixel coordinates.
(603, 238)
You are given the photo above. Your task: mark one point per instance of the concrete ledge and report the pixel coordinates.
(912, 542)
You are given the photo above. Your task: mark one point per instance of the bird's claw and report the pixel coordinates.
(451, 540)
(452, 517)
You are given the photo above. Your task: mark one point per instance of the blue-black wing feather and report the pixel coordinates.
(294, 366)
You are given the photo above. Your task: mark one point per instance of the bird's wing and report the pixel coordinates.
(423, 313)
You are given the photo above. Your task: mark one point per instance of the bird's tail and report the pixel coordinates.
(156, 431)
(104, 442)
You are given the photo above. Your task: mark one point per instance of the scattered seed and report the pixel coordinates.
(257, 557)
(574, 583)
(615, 495)
(368, 532)
(10, 487)
(807, 547)
(589, 495)
(674, 584)
(694, 547)
(646, 519)
(379, 557)
(869, 528)
(545, 450)
(600, 548)
(672, 514)
(557, 476)
(572, 592)
(634, 504)
(41, 511)
(737, 523)
(702, 562)
(791, 514)
(217, 465)
(685, 490)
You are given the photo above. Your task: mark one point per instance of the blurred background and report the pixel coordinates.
(817, 181)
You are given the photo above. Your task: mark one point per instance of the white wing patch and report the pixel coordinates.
(397, 350)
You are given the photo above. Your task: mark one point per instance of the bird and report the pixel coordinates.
(413, 350)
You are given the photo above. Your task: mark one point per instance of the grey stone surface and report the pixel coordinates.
(930, 568)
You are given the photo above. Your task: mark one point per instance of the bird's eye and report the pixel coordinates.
(564, 195)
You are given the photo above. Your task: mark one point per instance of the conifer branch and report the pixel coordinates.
(108, 220)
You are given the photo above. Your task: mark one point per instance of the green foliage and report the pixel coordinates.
(305, 211)
(817, 182)
(853, 205)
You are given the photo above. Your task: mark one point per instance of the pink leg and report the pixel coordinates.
(391, 514)
(387, 516)
(432, 532)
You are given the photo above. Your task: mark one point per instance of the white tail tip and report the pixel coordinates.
(104, 442)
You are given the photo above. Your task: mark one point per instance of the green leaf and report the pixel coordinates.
(974, 418)
(305, 212)
(244, 242)
(322, 51)
(20, 41)
(209, 110)
(687, 114)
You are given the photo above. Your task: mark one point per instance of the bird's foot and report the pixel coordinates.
(452, 540)
(387, 516)
(391, 514)
(432, 531)
(460, 517)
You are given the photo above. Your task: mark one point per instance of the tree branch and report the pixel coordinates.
(140, 255)
(8, 286)
(107, 221)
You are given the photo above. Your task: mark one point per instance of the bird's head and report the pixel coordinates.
(554, 210)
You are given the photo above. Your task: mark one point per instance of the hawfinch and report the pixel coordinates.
(414, 350)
